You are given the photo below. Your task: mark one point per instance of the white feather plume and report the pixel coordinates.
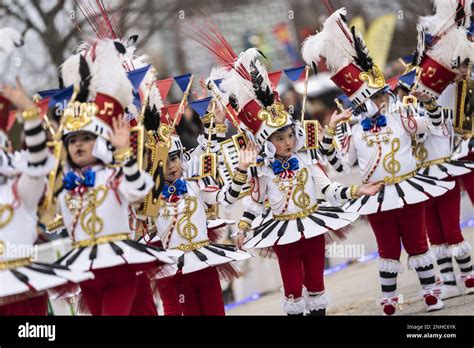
(249, 59)
(235, 84)
(218, 73)
(263, 71)
(239, 87)
(111, 77)
(69, 71)
(154, 98)
(445, 14)
(9, 39)
(450, 46)
(330, 43)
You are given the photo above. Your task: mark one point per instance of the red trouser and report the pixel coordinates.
(144, 303)
(35, 306)
(468, 179)
(301, 263)
(406, 224)
(442, 218)
(169, 296)
(200, 292)
(112, 292)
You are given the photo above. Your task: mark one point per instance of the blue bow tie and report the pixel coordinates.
(374, 122)
(280, 166)
(177, 188)
(72, 180)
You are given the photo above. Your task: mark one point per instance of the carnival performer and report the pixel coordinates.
(102, 179)
(24, 280)
(381, 143)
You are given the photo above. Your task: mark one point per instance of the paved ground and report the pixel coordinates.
(354, 289)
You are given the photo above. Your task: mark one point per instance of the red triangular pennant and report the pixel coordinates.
(393, 82)
(275, 77)
(168, 113)
(11, 119)
(164, 87)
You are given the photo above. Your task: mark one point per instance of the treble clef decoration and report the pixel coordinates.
(91, 223)
(421, 153)
(6, 214)
(189, 231)
(390, 164)
(301, 198)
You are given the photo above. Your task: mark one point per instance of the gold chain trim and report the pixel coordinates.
(31, 114)
(434, 162)
(15, 263)
(101, 240)
(123, 155)
(244, 225)
(397, 179)
(301, 214)
(240, 177)
(330, 131)
(431, 105)
(193, 245)
(221, 128)
(353, 191)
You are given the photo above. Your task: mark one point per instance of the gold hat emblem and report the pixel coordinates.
(78, 115)
(275, 115)
(373, 77)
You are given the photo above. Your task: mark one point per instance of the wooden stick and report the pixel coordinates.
(218, 97)
(305, 93)
(181, 104)
(208, 150)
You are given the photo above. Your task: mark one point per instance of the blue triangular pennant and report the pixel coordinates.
(345, 101)
(48, 93)
(408, 59)
(59, 97)
(218, 84)
(407, 80)
(201, 105)
(183, 81)
(294, 73)
(136, 76)
(136, 100)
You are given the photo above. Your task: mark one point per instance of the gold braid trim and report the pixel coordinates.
(193, 245)
(240, 177)
(15, 263)
(353, 191)
(101, 240)
(434, 162)
(244, 226)
(31, 114)
(301, 214)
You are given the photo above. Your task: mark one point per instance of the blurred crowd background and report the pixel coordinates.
(52, 28)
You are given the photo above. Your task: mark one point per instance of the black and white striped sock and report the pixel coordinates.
(446, 269)
(388, 280)
(465, 264)
(426, 275)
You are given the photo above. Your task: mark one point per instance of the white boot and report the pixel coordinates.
(450, 291)
(433, 300)
(390, 304)
(293, 306)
